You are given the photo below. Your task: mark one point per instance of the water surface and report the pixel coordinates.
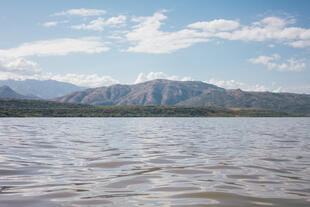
(194, 162)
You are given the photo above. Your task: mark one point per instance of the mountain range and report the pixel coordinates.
(44, 89)
(7, 92)
(188, 93)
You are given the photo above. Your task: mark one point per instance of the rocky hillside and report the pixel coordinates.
(189, 93)
(157, 92)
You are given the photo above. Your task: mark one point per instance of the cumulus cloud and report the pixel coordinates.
(20, 69)
(62, 46)
(269, 28)
(81, 12)
(142, 77)
(274, 63)
(17, 67)
(146, 36)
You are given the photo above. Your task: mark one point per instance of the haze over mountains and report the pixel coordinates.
(188, 93)
(7, 92)
(45, 89)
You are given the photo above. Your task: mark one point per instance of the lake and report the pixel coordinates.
(180, 162)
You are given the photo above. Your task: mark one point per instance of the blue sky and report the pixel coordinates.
(252, 45)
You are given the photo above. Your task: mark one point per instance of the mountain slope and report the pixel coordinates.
(189, 93)
(45, 89)
(157, 92)
(288, 102)
(7, 92)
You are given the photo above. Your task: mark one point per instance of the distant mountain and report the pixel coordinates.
(45, 89)
(189, 93)
(7, 92)
(286, 102)
(157, 92)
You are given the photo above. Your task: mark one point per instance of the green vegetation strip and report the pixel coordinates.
(38, 108)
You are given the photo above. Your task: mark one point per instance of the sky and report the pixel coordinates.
(252, 45)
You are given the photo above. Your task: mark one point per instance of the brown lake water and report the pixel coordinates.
(216, 162)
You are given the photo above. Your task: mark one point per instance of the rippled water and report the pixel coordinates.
(154, 162)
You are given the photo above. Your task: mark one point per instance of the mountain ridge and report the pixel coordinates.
(188, 93)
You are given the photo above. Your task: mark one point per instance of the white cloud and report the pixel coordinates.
(216, 25)
(227, 84)
(50, 24)
(99, 23)
(273, 22)
(54, 23)
(269, 28)
(81, 12)
(142, 77)
(147, 37)
(300, 43)
(273, 87)
(87, 80)
(234, 84)
(12, 66)
(273, 63)
(21, 69)
(119, 20)
(62, 46)
(95, 25)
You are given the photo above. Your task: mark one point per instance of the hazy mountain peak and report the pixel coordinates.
(7, 92)
(45, 89)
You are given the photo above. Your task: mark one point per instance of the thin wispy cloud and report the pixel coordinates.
(235, 84)
(81, 12)
(50, 24)
(95, 25)
(99, 24)
(216, 25)
(86, 80)
(57, 47)
(142, 77)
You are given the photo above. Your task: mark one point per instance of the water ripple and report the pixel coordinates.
(179, 162)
